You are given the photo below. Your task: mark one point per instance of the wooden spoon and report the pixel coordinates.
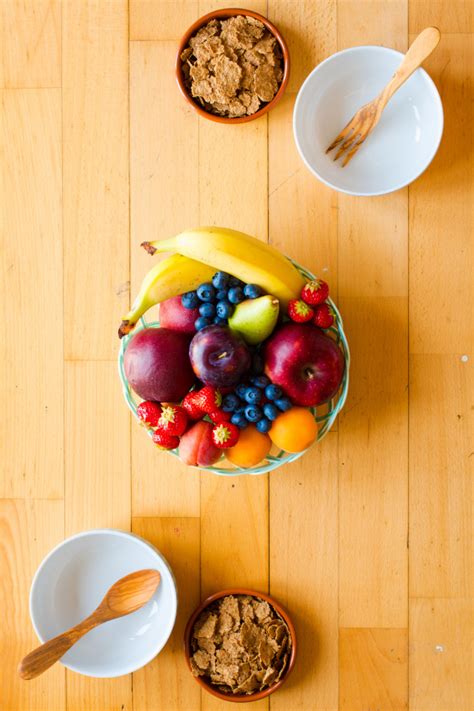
(125, 596)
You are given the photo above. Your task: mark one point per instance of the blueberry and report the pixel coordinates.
(224, 309)
(206, 292)
(207, 310)
(220, 280)
(201, 323)
(270, 411)
(240, 390)
(239, 419)
(235, 295)
(253, 413)
(273, 392)
(220, 321)
(253, 395)
(230, 402)
(221, 295)
(263, 425)
(252, 291)
(260, 381)
(190, 300)
(257, 364)
(283, 404)
(233, 281)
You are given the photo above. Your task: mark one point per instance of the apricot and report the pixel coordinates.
(252, 447)
(294, 430)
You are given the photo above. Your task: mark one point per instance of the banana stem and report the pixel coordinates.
(148, 247)
(160, 245)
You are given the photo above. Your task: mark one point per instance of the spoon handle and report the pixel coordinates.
(43, 657)
(421, 48)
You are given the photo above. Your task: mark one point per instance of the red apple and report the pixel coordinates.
(157, 364)
(196, 446)
(305, 363)
(173, 315)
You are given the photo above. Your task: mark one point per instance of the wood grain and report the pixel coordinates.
(95, 175)
(30, 32)
(31, 246)
(166, 683)
(373, 669)
(162, 20)
(28, 530)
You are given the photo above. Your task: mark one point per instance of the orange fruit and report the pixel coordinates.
(252, 447)
(294, 430)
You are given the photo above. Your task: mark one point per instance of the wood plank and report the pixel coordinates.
(373, 431)
(441, 215)
(31, 245)
(28, 530)
(161, 19)
(304, 572)
(373, 669)
(440, 504)
(97, 457)
(96, 194)
(31, 43)
(448, 16)
(164, 201)
(441, 654)
(166, 682)
(97, 443)
(309, 29)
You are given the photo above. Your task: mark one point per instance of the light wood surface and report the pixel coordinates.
(367, 539)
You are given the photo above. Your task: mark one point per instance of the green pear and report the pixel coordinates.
(255, 319)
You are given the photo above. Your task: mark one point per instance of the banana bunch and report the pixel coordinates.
(239, 254)
(198, 254)
(170, 277)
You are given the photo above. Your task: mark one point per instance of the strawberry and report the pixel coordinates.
(323, 316)
(208, 399)
(190, 405)
(173, 420)
(219, 416)
(315, 292)
(163, 440)
(149, 412)
(225, 435)
(299, 311)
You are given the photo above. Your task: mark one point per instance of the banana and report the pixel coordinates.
(170, 277)
(239, 254)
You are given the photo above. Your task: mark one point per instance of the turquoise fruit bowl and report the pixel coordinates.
(324, 415)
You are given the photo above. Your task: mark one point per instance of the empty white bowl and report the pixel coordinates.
(401, 146)
(72, 580)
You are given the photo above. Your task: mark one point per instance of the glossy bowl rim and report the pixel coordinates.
(121, 534)
(437, 101)
(253, 593)
(224, 13)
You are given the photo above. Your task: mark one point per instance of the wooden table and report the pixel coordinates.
(366, 539)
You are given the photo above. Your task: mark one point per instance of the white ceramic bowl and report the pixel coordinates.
(72, 580)
(402, 145)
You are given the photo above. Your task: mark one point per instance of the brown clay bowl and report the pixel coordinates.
(243, 698)
(221, 15)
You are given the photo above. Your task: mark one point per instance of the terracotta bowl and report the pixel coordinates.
(221, 15)
(210, 687)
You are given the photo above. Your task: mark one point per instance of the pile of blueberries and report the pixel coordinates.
(217, 300)
(258, 401)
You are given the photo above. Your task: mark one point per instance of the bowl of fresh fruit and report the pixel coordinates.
(247, 364)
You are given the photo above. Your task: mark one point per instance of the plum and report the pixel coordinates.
(196, 446)
(219, 357)
(157, 364)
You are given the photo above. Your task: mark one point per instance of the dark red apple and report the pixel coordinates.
(219, 357)
(157, 364)
(173, 315)
(196, 446)
(306, 363)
